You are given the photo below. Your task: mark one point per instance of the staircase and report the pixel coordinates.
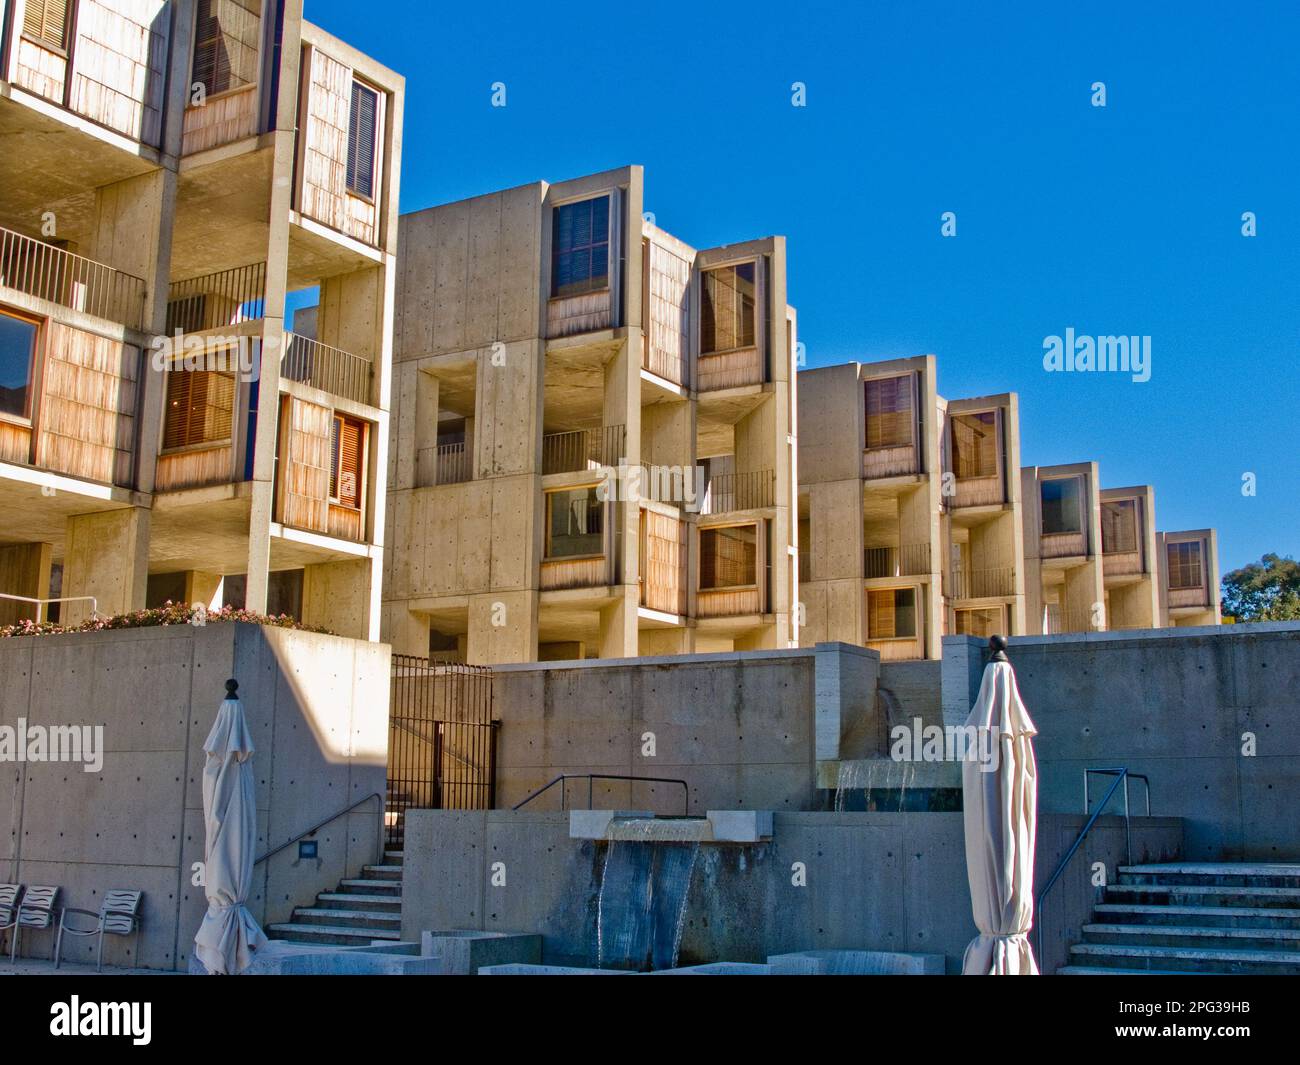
(359, 912)
(1188, 918)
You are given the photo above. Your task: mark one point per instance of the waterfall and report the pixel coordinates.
(641, 906)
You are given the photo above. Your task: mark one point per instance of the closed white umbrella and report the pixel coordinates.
(999, 799)
(229, 934)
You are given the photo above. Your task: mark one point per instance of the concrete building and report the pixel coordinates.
(1189, 578)
(176, 175)
(1129, 558)
(1064, 582)
(593, 442)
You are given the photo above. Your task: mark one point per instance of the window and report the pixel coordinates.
(1184, 565)
(46, 22)
(227, 36)
(983, 623)
(727, 308)
(1119, 526)
(17, 357)
(575, 523)
(580, 247)
(363, 140)
(349, 456)
(200, 407)
(1061, 506)
(975, 445)
(729, 557)
(891, 614)
(889, 412)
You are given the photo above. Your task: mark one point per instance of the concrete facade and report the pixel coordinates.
(316, 708)
(160, 188)
(594, 466)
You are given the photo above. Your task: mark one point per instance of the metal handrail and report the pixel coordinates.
(589, 777)
(379, 849)
(1121, 776)
(43, 603)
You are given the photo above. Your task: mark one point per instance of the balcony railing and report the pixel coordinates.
(48, 273)
(910, 560)
(583, 449)
(746, 490)
(227, 297)
(338, 372)
(981, 583)
(452, 463)
(1059, 619)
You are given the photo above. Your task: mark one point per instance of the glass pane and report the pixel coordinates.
(574, 523)
(17, 344)
(580, 247)
(728, 557)
(1061, 506)
(905, 612)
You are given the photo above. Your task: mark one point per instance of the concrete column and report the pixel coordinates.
(205, 588)
(107, 556)
(337, 596)
(25, 571)
(502, 627)
(405, 630)
(658, 642)
(618, 625)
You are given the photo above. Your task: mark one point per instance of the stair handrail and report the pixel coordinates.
(589, 777)
(1121, 775)
(379, 847)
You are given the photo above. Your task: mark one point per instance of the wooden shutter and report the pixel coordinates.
(200, 407)
(362, 129)
(46, 21)
(349, 453)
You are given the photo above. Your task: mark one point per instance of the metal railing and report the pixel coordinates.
(1121, 776)
(379, 835)
(41, 604)
(332, 370)
(910, 560)
(981, 583)
(226, 297)
(746, 490)
(563, 778)
(48, 273)
(452, 464)
(1059, 620)
(583, 449)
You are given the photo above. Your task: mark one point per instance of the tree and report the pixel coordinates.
(1267, 590)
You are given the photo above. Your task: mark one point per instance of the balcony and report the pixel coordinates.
(224, 298)
(990, 583)
(583, 449)
(880, 462)
(738, 368)
(1122, 564)
(332, 370)
(1063, 545)
(47, 273)
(560, 574)
(977, 492)
(746, 490)
(910, 560)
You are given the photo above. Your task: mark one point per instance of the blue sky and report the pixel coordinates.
(1117, 220)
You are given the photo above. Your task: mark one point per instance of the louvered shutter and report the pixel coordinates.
(362, 128)
(46, 21)
(345, 476)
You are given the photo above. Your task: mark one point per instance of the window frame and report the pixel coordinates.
(754, 324)
(1077, 481)
(1182, 565)
(64, 48)
(247, 86)
(28, 418)
(602, 508)
(608, 282)
(202, 445)
(338, 418)
(995, 424)
(376, 156)
(913, 397)
(916, 615)
(1111, 506)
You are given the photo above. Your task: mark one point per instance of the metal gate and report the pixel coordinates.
(441, 741)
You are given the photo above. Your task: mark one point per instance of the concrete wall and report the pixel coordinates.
(873, 881)
(738, 728)
(1179, 706)
(317, 706)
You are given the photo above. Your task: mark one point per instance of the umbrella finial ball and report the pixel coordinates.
(232, 686)
(997, 643)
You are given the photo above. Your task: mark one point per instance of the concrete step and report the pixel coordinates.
(1204, 894)
(317, 915)
(365, 886)
(334, 935)
(1136, 913)
(1097, 970)
(1155, 958)
(1195, 937)
(393, 857)
(1217, 874)
(382, 872)
(346, 900)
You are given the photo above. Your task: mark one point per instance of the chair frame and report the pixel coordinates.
(132, 916)
(43, 910)
(12, 906)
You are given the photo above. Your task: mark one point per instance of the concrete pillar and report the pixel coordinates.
(405, 630)
(205, 588)
(107, 556)
(25, 571)
(618, 625)
(502, 628)
(658, 642)
(337, 596)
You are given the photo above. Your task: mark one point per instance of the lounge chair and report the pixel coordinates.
(118, 916)
(36, 910)
(9, 896)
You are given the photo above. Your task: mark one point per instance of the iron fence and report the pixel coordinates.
(48, 273)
